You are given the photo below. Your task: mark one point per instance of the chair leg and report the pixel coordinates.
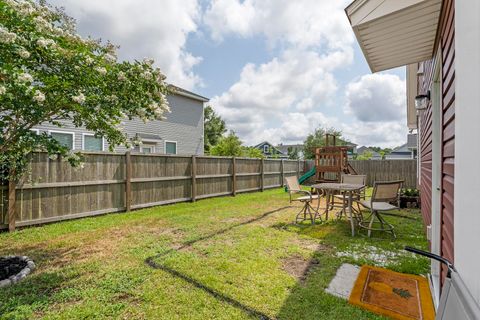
(310, 213)
(390, 227)
(299, 214)
(371, 223)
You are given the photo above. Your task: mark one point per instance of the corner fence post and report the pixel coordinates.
(194, 178)
(128, 181)
(11, 205)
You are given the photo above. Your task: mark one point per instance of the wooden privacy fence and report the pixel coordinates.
(381, 170)
(112, 182)
(386, 170)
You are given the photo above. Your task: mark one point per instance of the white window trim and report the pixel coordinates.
(147, 145)
(91, 135)
(66, 132)
(267, 149)
(165, 146)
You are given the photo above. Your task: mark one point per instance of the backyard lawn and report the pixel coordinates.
(222, 258)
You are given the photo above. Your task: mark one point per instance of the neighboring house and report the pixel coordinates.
(405, 151)
(269, 151)
(374, 155)
(439, 42)
(180, 133)
(288, 148)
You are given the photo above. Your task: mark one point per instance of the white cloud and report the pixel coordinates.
(269, 92)
(280, 100)
(380, 134)
(378, 104)
(377, 97)
(143, 28)
(302, 23)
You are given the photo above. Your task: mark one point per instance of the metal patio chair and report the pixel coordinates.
(293, 188)
(456, 301)
(383, 194)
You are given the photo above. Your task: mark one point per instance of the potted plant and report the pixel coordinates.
(410, 198)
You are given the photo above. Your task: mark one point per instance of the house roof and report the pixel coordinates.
(284, 147)
(266, 142)
(186, 93)
(364, 149)
(394, 33)
(401, 149)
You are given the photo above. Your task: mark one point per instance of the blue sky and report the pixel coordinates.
(273, 69)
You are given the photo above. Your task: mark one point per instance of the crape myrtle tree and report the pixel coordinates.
(49, 74)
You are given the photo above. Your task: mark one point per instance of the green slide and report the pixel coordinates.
(308, 174)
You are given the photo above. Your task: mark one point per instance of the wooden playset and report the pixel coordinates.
(331, 161)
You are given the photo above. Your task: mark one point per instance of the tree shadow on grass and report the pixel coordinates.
(156, 263)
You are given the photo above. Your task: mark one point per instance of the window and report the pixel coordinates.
(170, 147)
(147, 149)
(64, 138)
(92, 143)
(266, 148)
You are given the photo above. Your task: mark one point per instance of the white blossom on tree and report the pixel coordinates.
(49, 74)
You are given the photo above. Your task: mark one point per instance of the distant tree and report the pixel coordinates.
(382, 151)
(317, 139)
(231, 146)
(292, 153)
(214, 128)
(251, 152)
(273, 153)
(367, 155)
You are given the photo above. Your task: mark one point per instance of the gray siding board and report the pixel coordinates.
(183, 125)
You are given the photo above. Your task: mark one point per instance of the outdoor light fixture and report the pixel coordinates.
(421, 101)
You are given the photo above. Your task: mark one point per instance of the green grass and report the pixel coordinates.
(213, 259)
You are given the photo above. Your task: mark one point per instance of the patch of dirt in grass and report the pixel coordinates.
(309, 245)
(299, 267)
(82, 247)
(233, 220)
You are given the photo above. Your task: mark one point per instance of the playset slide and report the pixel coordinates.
(308, 174)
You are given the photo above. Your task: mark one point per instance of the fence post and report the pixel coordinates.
(11, 205)
(282, 172)
(128, 181)
(234, 177)
(262, 176)
(194, 178)
(298, 168)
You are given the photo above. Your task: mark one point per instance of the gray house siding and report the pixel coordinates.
(184, 125)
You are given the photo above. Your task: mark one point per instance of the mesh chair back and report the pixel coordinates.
(354, 179)
(386, 191)
(292, 183)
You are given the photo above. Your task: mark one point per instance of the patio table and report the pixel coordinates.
(347, 189)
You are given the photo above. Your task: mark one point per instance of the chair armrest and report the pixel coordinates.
(308, 193)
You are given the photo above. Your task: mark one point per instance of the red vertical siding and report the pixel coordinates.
(446, 42)
(426, 165)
